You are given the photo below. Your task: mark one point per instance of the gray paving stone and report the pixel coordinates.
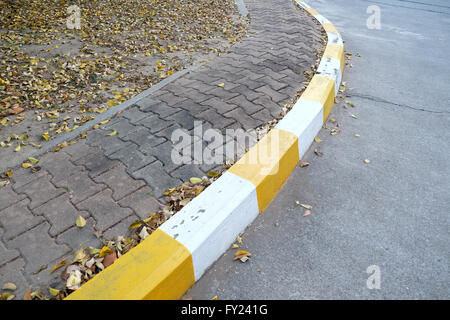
(79, 149)
(38, 248)
(104, 209)
(132, 158)
(155, 175)
(219, 105)
(7, 255)
(96, 163)
(13, 272)
(163, 153)
(171, 99)
(60, 213)
(122, 126)
(77, 238)
(188, 171)
(79, 187)
(40, 191)
(118, 180)
(142, 202)
(247, 121)
(17, 219)
(142, 136)
(9, 197)
(193, 107)
(146, 104)
(217, 120)
(120, 229)
(269, 105)
(183, 118)
(250, 95)
(134, 114)
(154, 123)
(22, 176)
(59, 166)
(274, 95)
(243, 103)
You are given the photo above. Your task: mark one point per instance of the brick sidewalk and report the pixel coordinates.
(114, 180)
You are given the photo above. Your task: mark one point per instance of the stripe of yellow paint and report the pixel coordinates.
(329, 27)
(312, 11)
(268, 164)
(335, 51)
(321, 89)
(158, 268)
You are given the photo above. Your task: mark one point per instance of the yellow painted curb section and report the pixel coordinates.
(321, 89)
(312, 11)
(335, 51)
(329, 27)
(268, 164)
(158, 268)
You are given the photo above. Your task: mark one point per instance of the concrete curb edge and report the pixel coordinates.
(168, 262)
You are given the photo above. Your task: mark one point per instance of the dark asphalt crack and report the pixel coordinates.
(376, 99)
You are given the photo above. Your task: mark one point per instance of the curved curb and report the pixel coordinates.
(168, 262)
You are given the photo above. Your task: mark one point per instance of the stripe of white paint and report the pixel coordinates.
(210, 223)
(331, 68)
(335, 38)
(321, 18)
(304, 120)
(303, 4)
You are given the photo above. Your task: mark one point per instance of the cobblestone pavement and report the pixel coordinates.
(114, 180)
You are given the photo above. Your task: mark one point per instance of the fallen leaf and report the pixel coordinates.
(17, 149)
(215, 298)
(240, 254)
(357, 135)
(109, 259)
(317, 140)
(304, 164)
(61, 263)
(353, 116)
(17, 110)
(307, 213)
(112, 133)
(46, 136)
(81, 222)
(40, 269)
(367, 161)
(26, 165)
(9, 174)
(306, 206)
(104, 251)
(213, 174)
(221, 84)
(27, 295)
(9, 286)
(195, 180)
(53, 292)
(239, 239)
(234, 246)
(33, 160)
(317, 152)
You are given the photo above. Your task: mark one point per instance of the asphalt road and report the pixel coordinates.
(393, 212)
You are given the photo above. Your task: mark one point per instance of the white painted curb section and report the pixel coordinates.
(210, 223)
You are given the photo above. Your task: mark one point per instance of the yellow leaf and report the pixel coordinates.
(83, 135)
(104, 121)
(105, 250)
(81, 222)
(46, 136)
(26, 165)
(195, 180)
(53, 292)
(367, 161)
(9, 286)
(234, 246)
(17, 149)
(112, 133)
(9, 174)
(61, 263)
(135, 224)
(357, 135)
(317, 140)
(221, 84)
(33, 160)
(239, 239)
(215, 298)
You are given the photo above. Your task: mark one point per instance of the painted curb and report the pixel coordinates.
(169, 261)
